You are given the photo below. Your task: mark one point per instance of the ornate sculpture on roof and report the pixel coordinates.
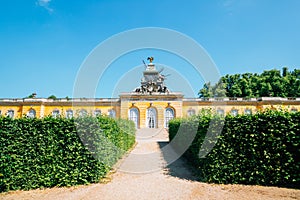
(152, 81)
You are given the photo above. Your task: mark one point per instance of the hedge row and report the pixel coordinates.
(260, 149)
(48, 152)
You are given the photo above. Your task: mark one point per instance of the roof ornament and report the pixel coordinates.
(153, 80)
(150, 59)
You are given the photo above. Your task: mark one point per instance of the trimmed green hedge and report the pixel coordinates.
(260, 149)
(48, 152)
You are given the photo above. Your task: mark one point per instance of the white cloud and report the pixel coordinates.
(45, 4)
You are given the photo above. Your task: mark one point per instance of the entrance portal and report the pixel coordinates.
(151, 118)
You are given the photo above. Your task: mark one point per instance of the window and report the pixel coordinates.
(169, 114)
(112, 113)
(294, 110)
(191, 112)
(97, 112)
(55, 113)
(134, 116)
(82, 113)
(234, 112)
(151, 118)
(11, 113)
(69, 114)
(220, 112)
(31, 113)
(248, 111)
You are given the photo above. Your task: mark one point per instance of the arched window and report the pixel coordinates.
(234, 112)
(55, 113)
(169, 114)
(69, 113)
(294, 110)
(151, 118)
(134, 116)
(112, 113)
(97, 112)
(191, 112)
(11, 113)
(31, 113)
(220, 112)
(248, 111)
(82, 113)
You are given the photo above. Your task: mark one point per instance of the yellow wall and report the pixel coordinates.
(45, 107)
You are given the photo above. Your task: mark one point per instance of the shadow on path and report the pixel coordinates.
(179, 168)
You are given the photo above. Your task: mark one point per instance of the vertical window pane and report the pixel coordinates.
(97, 112)
(234, 112)
(191, 112)
(169, 114)
(69, 114)
(11, 113)
(55, 113)
(220, 112)
(112, 113)
(31, 113)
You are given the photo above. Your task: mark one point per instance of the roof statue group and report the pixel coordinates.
(153, 80)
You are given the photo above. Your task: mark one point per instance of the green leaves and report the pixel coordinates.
(258, 149)
(269, 83)
(48, 152)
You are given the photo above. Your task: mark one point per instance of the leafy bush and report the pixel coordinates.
(258, 149)
(48, 152)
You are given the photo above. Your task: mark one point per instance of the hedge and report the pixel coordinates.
(260, 149)
(48, 152)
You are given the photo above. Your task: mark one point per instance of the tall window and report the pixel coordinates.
(112, 113)
(55, 113)
(220, 112)
(248, 111)
(151, 118)
(294, 110)
(191, 112)
(169, 114)
(69, 114)
(97, 112)
(82, 113)
(234, 112)
(11, 113)
(134, 116)
(31, 113)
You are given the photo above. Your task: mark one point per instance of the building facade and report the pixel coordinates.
(151, 105)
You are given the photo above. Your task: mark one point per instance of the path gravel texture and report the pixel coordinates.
(147, 173)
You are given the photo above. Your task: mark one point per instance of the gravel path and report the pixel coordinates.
(144, 174)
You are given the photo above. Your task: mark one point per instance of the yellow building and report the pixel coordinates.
(151, 105)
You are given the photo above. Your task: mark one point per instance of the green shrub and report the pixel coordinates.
(258, 149)
(48, 152)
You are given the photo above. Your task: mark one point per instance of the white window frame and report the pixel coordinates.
(133, 115)
(151, 118)
(169, 115)
(31, 113)
(69, 113)
(55, 113)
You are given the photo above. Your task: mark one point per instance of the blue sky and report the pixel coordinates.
(43, 43)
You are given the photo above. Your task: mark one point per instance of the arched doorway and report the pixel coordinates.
(134, 116)
(151, 121)
(169, 114)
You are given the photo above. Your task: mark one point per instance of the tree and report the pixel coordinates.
(52, 97)
(269, 83)
(206, 91)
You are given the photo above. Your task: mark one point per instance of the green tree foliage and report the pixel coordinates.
(260, 149)
(52, 97)
(271, 83)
